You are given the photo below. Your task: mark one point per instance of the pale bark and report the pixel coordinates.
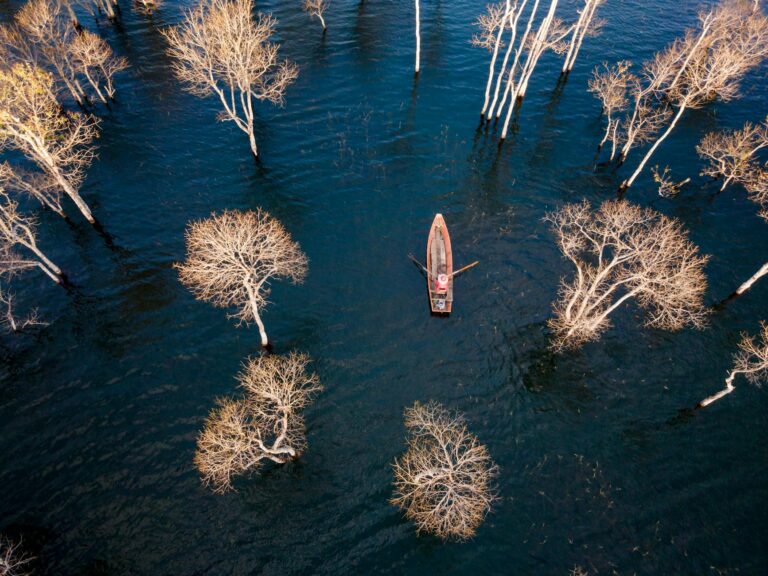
(418, 37)
(627, 183)
(492, 66)
(752, 279)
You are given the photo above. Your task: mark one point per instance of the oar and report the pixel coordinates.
(467, 267)
(419, 264)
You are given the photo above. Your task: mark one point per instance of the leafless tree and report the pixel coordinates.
(44, 24)
(610, 85)
(37, 185)
(13, 562)
(417, 67)
(93, 57)
(233, 256)
(10, 321)
(730, 154)
(756, 185)
(549, 36)
(316, 8)
(667, 186)
(264, 425)
(32, 122)
(219, 48)
(148, 7)
(444, 481)
(751, 361)
(585, 26)
(489, 36)
(623, 252)
(709, 63)
(17, 230)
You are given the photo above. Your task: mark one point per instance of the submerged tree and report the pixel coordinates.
(233, 256)
(708, 64)
(240, 434)
(316, 8)
(444, 481)
(610, 85)
(37, 185)
(417, 67)
(492, 25)
(17, 230)
(95, 60)
(13, 562)
(751, 361)
(756, 185)
(32, 122)
(730, 154)
(220, 49)
(621, 252)
(148, 7)
(585, 26)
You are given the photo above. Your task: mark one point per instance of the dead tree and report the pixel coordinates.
(37, 185)
(756, 185)
(19, 231)
(219, 48)
(32, 122)
(233, 256)
(148, 7)
(417, 67)
(491, 29)
(585, 26)
(730, 154)
(667, 187)
(751, 361)
(94, 59)
(13, 562)
(610, 85)
(266, 424)
(10, 321)
(623, 252)
(316, 8)
(44, 24)
(444, 481)
(707, 64)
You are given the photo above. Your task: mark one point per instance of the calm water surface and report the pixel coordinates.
(601, 465)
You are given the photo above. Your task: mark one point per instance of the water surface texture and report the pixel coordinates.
(602, 464)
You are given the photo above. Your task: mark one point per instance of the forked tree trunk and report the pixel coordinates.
(574, 38)
(584, 28)
(500, 78)
(322, 21)
(729, 387)
(627, 183)
(74, 195)
(49, 267)
(418, 38)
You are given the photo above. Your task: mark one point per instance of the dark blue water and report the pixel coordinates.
(99, 411)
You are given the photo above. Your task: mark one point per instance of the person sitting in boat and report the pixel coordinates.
(441, 283)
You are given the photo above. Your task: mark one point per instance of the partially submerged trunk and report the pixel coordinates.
(418, 38)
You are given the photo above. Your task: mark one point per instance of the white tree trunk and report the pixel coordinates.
(74, 195)
(754, 278)
(576, 29)
(627, 183)
(418, 37)
(592, 6)
(322, 21)
(729, 387)
(492, 67)
(521, 45)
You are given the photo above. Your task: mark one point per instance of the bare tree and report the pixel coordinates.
(730, 154)
(13, 562)
(751, 361)
(17, 230)
(32, 122)
(37, 185)
(417, 67)
(10, 321)
(623, 252)
(667, 186)
(756, 185)
(148, 7)
(219, 48)
(610, 85)
(44, 24)
(264, 425)
(585, 26)
(491, 29)
(316, 8)
(708, 64)
(444, 481)
(94, 59)
(233, 256)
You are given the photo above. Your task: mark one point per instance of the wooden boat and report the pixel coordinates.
(439, 267)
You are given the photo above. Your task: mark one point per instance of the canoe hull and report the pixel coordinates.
(439, 261)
